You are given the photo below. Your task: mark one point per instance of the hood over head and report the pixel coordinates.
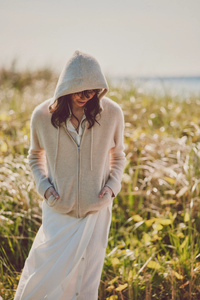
(81, 72)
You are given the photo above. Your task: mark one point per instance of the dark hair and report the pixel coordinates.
(60, 110)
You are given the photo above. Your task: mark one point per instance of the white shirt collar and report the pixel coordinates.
(69, 117)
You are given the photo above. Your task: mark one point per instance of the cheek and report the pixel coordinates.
(74, 98)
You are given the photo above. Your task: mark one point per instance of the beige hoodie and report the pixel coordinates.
(78, 173)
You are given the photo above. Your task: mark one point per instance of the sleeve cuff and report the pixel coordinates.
(112, 187)
(44, 185)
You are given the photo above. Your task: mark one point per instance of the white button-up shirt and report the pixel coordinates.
(76, 135)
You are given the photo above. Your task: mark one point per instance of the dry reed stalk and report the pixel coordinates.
(172, 286)
(147, 286)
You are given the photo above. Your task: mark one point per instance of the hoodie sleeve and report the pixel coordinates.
(37, 159)
(117, 156)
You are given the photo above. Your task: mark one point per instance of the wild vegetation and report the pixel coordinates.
(153, 246)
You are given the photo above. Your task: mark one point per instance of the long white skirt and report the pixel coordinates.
(66, 259)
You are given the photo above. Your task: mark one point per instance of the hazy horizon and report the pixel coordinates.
(129, 38)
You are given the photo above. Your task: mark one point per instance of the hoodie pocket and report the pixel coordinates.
(66, 187)
(51, 201)
(106, 196)
(100, 203)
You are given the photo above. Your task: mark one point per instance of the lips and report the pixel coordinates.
(81, 102)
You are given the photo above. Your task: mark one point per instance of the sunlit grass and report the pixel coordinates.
(153, 246)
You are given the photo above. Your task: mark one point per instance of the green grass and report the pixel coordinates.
(153, 245)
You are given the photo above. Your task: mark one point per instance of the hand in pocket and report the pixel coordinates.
(106, 189)
(51, 191)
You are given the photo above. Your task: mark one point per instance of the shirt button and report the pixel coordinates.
(76, 294)
(79, 277)
(82, 258)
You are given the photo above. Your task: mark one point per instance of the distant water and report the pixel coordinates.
(184, 86)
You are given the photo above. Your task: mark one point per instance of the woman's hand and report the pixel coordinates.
(51, 191)
(104, 190)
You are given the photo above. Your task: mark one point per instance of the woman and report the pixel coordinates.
(79, 134)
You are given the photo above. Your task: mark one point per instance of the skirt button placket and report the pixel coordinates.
(80, 276)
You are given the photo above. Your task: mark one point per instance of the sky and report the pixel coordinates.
(127, 37)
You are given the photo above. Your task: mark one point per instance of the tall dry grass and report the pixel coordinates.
(153, 246)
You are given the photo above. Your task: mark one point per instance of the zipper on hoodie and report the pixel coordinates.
(79, 150)
(78, 176)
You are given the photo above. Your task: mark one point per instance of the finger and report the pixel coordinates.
(110, 191)
(102, 193)
(47, 192)
(55, 194)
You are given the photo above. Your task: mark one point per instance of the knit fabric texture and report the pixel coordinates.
(78, 173)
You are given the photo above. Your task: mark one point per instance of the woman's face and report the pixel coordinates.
(78, 100)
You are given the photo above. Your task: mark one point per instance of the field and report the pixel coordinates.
(153, 247)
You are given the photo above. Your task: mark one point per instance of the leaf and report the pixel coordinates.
(170, 180)
(115, 261)
(166, 221)
(186, 217)
(169, 201)
(177, 275)
(137, 218)
(184, 242)
(149, 222)
(4, 147)
(197, 267)
(121, 287)
(113, 297)
(136, 252)
(180, 235)
(113, 280)
(170, 192)
(145, 264)
(110, 288)
(183, 285)
(155, 237)
(191, 203)
(138, 224)
(158, 227)
(182, 191)
(146, 238)
(153, 265)
(130, 275)
(120, 246)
